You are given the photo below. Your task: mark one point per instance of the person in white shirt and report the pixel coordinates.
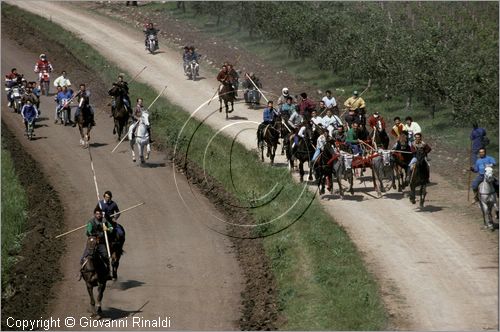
(320, 144)
(316, 120)
(331, 122)
(412, 128)
(329, 100)
(62, 80)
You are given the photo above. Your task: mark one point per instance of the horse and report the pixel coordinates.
(419, 177)
(270, 138)
(402, 159)
(117, 240)
(303, 153)
(488, 199)
(95, 273)
(379, 137)
(84, 121)
(120, 112)
(226, 94)
(323, 170)
(383, 170)
(138, 134)
(285, 131)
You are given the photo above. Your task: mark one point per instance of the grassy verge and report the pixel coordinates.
(322, 281)
(14, 207)
(438, 127)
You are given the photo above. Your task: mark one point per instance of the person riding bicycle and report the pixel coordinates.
(29, 114)
(42, 65)
(83, 99)
(62, 98)
(150, 30)
(96, 227)
(123, 85)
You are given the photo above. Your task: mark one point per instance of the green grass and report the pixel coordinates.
(14, 207)
(439, 128)
(321, 278)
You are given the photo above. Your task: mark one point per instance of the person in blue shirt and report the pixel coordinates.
(29, 114)
(477, 139)
(269, 116)
(62, 98)
(479, 168)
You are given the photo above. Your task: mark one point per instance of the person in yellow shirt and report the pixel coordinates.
(356, 104)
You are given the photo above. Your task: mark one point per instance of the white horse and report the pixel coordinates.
(141, 137)
(488, 198)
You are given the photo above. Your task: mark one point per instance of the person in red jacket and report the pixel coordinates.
(377, 124)
(224, 77)
(43, 65)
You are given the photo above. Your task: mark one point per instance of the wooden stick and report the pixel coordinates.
(133, 78)
(256, 87)
(114, 214)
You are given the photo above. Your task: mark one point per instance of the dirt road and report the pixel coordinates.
(174, 266)
(437, 269)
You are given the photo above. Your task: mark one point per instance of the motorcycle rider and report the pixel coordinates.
(185, 59)
(64, 95)
(12, 79)
(150, 30)
(192, 56)
(29, 114)
(42, 65)
(62, 80)
(248, 85)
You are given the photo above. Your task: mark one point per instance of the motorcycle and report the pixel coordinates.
(64, 112)
(192, 70)
(152, 43)
(16, 96)
(252, 96)
(45, 83)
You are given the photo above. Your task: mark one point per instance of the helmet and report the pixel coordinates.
(150, 24)
(43, 56)
(355, 93)
(284, 91)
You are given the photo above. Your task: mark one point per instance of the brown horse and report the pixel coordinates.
(270, 138)
(95, 274)
(84, 121)
(226, 94)
(120, 112)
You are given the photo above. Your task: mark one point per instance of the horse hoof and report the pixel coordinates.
(147, 156)
(133, 159)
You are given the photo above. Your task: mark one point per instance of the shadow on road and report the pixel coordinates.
(152, 165)
(430, 208)
(124, 285)
(97, 145)
(115, 313)
(235, 117)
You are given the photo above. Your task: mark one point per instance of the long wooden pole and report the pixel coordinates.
(114, 214)
(133, 78)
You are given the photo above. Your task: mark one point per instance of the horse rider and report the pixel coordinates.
(331, 122)
(397, 128)
(377, 122)
(269, 116)
(64, 94)
(126, 99)
(357, 104)
(62, 80)
(352, 139)
(320, 144)
(185, 58)
(288, 108)
(350, 118)
(96, 227)
(42, 65)
(330, 102)
(297, 122)
(29, 114)
(235, 77)
(285, 93)
(316, 120)
(140, 112)
(417, 145)
(150, 30)
(321, 110)
(224, 78)
(307, 105)
(479, 167)
(478, 140)
(83, 99)
(412, 128)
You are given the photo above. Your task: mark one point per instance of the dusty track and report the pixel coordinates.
(173, 266)
(437, 270)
